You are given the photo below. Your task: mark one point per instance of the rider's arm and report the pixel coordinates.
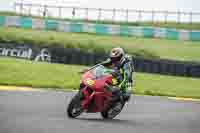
(106, 63)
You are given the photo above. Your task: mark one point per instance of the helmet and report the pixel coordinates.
(116, 54)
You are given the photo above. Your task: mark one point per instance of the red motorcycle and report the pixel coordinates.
(95, 96)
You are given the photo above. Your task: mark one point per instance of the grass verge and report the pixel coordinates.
(143, 47)
(40, 74)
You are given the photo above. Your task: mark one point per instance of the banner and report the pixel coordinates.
(25, 52)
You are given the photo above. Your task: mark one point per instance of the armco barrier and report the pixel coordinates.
(75, 56)
(2, 20)
(26, 22)
(107, 29)
(167, 67)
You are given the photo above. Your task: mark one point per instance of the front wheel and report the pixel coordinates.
(113, 111)
(74, 108)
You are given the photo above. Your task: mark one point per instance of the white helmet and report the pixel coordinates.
(116, 54)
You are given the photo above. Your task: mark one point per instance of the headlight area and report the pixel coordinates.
(89, 82)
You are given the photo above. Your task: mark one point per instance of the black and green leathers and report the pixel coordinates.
(124, 71)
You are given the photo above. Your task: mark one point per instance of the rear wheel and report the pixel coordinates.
(74, 108)
(112, 112)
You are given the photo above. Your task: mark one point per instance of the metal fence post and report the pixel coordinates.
(178, 17)
(191, 18)
(153, 13)
(39, 10)
(86, 13)
(127, 15)
(113, 17)
(99, 16)
(60, 11)
(139, 15)
(45, 11)
(15, 6)
(166, 15)
(21, 8)
(29, 10)
(73, 13)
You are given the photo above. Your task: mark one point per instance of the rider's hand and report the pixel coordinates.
(115, 73)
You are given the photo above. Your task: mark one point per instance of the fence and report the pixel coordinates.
(112, 15)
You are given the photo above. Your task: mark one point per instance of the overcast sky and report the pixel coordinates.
(171, 5)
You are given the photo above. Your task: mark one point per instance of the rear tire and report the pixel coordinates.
(74, 108)
(113, 111)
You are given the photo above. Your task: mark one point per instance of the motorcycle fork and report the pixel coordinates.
(88, 99)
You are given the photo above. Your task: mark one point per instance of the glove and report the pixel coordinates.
(115, 73)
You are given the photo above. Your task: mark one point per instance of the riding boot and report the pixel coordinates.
(126, 96)
(117, 96)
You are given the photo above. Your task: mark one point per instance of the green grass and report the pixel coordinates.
(37, 74)
(40, 74)
(186, 26)
(143, 47)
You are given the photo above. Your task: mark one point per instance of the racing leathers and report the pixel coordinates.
(124, 74)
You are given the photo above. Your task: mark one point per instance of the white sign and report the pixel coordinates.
(27, 53)
(15, 52)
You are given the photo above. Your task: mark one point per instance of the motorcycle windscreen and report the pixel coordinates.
(96, 79)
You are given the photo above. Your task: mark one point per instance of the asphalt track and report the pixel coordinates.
(44, 112)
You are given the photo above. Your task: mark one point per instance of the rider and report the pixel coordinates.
(122, 65)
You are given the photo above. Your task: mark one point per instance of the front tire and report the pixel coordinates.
(113, 111)
(74, 108)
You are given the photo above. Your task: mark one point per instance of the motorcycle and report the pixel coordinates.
(95, 96)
